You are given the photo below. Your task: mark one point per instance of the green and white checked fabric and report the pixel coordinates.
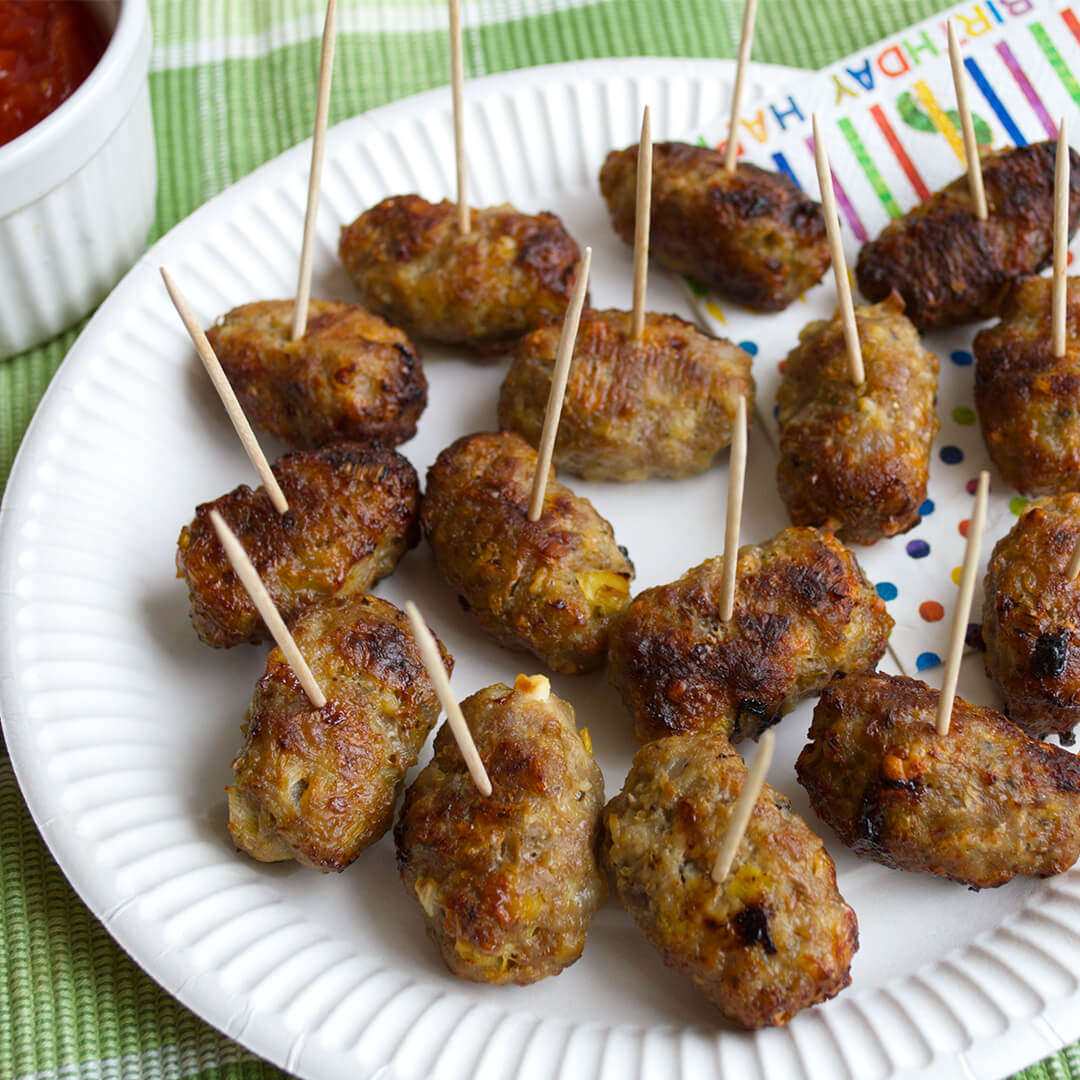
(232, 84)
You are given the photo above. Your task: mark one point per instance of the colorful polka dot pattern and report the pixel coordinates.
(931, 611)
(916, 575)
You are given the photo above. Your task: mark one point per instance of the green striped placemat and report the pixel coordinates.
(232, 85)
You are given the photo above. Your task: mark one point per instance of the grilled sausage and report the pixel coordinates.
(352, 516)
(319, 785)
(1028, 400)
(508, 884)
(978, 805)
(664, 406)
(410, 263)
(803, 610)
(1031, 619)
(351, 376)
(857, 458)
(776, 935)
(952, 268)
(751, 234)
(552, 586)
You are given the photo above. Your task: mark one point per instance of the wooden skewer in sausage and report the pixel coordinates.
(746, 41)
(925, 781)
(352, 517)
(429, 652)
(227, 394)
(967, 124)
(963, 605)
(959, 255)
(1027, 394)
(509, 884)
(744, 807)
(322, 106)
(319, 785)
(535, 563)
(763, 258)
(649, 395)
(312, 372)
(979, 805)
(806, 611)
(563, 357)
(772, 936)
(836, 249)
(249, 576)
(478, 277)
(856, 410)
(641, 227)
(457, 84)
(1061, 239)
(952, 264)
(736, 485)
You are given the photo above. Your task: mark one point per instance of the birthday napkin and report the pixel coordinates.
(888, 115)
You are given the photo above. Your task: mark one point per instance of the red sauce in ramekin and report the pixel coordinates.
(47, 49)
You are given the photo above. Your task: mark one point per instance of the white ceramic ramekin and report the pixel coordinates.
(77, 190)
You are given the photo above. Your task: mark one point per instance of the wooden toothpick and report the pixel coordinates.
(227, 395)
(1061, 238)
(563, 356)
(736, 482)
(967, 125)
(963, 605)
(745, 43)
(457, 84)
(641, 227)
(743, 808)
(249, 578)
(836, 249)
(429, 652)
(322, 105)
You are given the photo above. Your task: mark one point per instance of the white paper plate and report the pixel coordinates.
(121, 726)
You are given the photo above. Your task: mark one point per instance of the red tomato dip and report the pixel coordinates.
(47, 49)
